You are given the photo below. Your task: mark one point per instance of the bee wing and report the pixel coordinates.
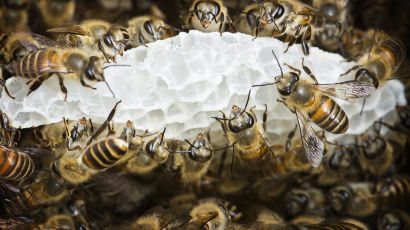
(36, 152)
(312, 144)
(350, 91)
(41, 42)
(70, 29)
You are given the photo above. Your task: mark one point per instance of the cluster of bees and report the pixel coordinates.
(81, 175)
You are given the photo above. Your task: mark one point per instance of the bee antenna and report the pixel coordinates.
(189, 143)
(247, 101)
(177, 29)
(109, 88)
(105, 67)
(277, 61)
(162, 136)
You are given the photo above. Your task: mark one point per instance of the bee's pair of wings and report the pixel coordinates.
(350, 91)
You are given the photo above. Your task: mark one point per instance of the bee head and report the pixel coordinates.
(391, 221)
(206, 11)
(156, 148)
(296, 201)
(199, 150)
(95, 69)
(240, 120)
(286, 83)
(270, 12)
(375, 148)
(366, 75)
(340, 158)
(329, 9)
(339, 197)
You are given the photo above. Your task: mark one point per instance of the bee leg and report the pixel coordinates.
(307, 36)
(293, 68)
(289, 138)
(101, 48)
(350, 70)
(230, 24)
(62, 86)
(37, 83)
(222, 20)
(257, 28)
(3, 84)
(294, 38)
(85, 84)
(265, 117)
(233, 160)
(38, 137)
(307, 71)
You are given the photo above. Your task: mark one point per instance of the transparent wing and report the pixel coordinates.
(35, 42)
(312, 144)
(350, 91)
(70, 29)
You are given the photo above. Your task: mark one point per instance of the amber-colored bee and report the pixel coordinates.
(56, 12)
(305, 201)
(64, 62)
(14, 15)
(207, 16)
(15, 165)
(384, 59)
(393, 189)
(94, 35)
(211, 213)
(146, 29)
(307, 99)
(246, 136)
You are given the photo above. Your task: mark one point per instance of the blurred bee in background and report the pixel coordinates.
(247, 140)
(394, 190)
(248, 21)
(64, 62)
(310, 99)
(396, 219)
(97, 37)
(342, 224)
(305, 201)
(14, 15)
(45, 190)
(207, 16)
(56, 12)
(329, 37)
(16, 223)
(383, 60)
(146, 29)
(355, 199)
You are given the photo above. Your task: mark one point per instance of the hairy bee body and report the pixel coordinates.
(393, 189)
(339, 224)
(56, 12)
(382, 62)
(99, 156)
(207, 16)
(146, 29)
(321, 109)
(15, 165)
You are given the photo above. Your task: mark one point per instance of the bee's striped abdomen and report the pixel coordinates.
(33, 65)
(329, 116)
(15, 165)
(105, 153)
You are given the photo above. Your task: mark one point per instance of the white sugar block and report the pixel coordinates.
(182, 81)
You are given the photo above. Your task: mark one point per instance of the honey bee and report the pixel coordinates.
(94, 35)
(208, 16)
(304, 201)
(190, 160)
(14, 15)
(393, 189)
(64, 62)
(146, 29)
(210, 214)
(329, 38)
(354, 199)
(341, 224)
(246, 137)
(153, 153)
(15, 165)
(376, 155)
(99, 156)
(310, 99)
(394, 220)
(293, 18)
(46, 191)
(383, 60)
(56, 12)
(248, 21)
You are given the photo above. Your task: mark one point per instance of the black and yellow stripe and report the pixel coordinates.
(329, 116)
(15, 165)
(32, 65)
(394, 51)
(105, 153)
(394, 189)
